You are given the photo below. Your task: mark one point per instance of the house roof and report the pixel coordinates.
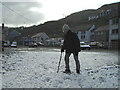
(40, 34)
(102, 28)
(15, 33)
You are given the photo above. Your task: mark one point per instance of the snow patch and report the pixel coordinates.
(38, 69)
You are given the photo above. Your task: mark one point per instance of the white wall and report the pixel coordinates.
(87, 35)
(111, 27)
(113, 36)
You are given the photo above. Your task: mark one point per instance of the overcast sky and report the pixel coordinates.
(34, 12)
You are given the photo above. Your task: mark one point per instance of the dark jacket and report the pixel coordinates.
(71, 43)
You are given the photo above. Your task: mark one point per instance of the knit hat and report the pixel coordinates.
(65, 27)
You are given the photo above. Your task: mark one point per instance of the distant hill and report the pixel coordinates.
(98, 17)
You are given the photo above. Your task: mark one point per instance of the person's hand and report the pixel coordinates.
(62, 50)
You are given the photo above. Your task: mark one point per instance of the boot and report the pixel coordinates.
(67, 71)
(78, 71)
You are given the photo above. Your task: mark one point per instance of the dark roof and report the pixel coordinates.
(102, 28)
(15, 33)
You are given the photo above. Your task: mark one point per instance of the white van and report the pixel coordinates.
(14, 44)
(84, 45)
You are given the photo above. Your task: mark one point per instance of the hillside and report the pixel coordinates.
(98, 17)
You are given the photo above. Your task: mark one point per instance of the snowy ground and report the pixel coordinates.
(29, 68)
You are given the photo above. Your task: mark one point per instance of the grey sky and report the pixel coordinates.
(34, 12)
(20, 13)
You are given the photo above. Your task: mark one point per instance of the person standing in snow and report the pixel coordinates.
(71, 45)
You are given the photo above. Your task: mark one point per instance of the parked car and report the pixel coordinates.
(84, 46)
(93, 44)
(57, 43)
(33, 44)
(40, 44)
(6, 43)
(62, 41)
(14, 44)
(102, 45)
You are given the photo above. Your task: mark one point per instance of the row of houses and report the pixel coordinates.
(102, 13)
(42, 38)
(107, 35)
(114, 32)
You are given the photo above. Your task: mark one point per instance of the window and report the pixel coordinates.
(82, 32)
(115, 21)
(83, 37)
(92, 36)
(115, 31)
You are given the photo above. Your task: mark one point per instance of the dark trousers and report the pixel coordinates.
(67, 55)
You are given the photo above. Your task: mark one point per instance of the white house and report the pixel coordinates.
(40, 37)
(114, 32)
(101, 13)
(85, 33)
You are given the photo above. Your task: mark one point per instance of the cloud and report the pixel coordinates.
(21, 13)
(40, 11)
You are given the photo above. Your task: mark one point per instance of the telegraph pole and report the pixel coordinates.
(3, 36)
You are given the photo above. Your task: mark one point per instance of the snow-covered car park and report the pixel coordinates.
(37, 68)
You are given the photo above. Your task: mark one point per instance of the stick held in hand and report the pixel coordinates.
(59, 62)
